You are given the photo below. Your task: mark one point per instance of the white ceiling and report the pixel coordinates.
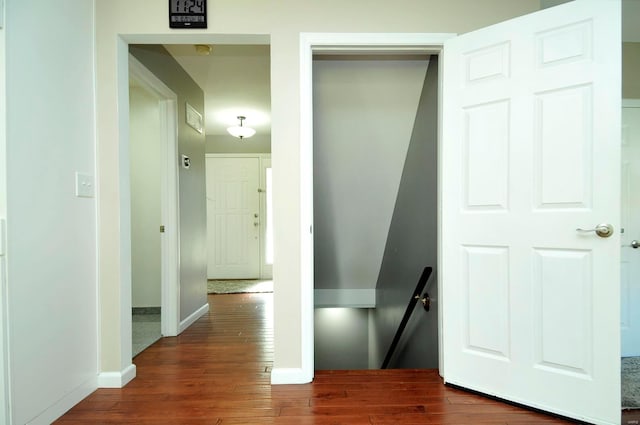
(235, 80)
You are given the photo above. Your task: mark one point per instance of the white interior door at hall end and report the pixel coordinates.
(530, 153)
(630, 281)
(233, 222)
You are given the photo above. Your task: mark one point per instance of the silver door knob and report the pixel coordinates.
(603, 230)
(635, 244)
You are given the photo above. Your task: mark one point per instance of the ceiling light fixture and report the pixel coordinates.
(240, 131)
(203, 49)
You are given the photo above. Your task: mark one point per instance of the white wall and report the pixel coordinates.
(363, 118)
(4, 393)
(229, 144)
(144, 128)
(51, 233)
(118, 22)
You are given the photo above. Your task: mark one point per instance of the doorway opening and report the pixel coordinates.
(352, 44)
(375, 208)
(153, 207)
(180, 66)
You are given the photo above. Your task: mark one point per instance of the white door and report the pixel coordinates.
(630, 279)
(530, 153)
(233, 222)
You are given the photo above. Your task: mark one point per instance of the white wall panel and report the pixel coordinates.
(487, 322)
(51, 233)
(565, 44)
(555, 148)
(563, 305)
(486, 153)
(486, 63)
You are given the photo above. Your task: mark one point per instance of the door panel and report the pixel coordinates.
(530, 153)
(233, 218)
(630, 281)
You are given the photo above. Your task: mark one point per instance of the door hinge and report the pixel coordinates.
(162, 229)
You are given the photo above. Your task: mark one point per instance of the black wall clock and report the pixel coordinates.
(187, 13)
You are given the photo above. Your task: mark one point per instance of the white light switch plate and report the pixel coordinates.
(84, 185)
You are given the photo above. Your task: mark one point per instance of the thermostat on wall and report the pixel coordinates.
(186, 162)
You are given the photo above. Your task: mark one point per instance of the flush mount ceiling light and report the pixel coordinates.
(203, 49)
(240, 131)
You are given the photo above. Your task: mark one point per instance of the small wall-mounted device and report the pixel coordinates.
(84, 185)
(186, 161)
(187, 14)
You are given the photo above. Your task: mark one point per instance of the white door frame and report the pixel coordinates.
(169, 207)
(626, 103)
(341, 43)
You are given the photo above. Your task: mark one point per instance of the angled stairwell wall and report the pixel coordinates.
(411, 245)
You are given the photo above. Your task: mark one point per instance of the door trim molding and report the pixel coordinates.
(117, 379)
(334, 43)
(193, 317)
(169, 205)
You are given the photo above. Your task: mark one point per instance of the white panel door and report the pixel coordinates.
(630, 279)
(233, 222)
(530, 153)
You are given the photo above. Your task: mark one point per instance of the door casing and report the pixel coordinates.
(340, 43)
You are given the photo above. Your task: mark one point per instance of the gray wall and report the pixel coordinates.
(341, 338)
(193, 225)
(229, 144)
(631, 70)
(412, 245)
(363, 115)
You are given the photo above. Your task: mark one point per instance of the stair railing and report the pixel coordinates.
(426, 301)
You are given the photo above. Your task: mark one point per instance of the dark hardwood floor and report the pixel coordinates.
(218, 371)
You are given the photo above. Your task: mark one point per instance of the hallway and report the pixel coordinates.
(218, 372)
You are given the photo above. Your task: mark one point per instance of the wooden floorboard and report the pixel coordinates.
(218, 373)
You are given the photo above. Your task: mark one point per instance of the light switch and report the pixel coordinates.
(186, 161)
(84, 185)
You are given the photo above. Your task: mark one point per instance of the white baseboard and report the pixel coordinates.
(193, 317)
(281, 376)
(353, 298)
(117, 379)
(65, 403)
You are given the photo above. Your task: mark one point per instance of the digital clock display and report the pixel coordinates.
(188, 13)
